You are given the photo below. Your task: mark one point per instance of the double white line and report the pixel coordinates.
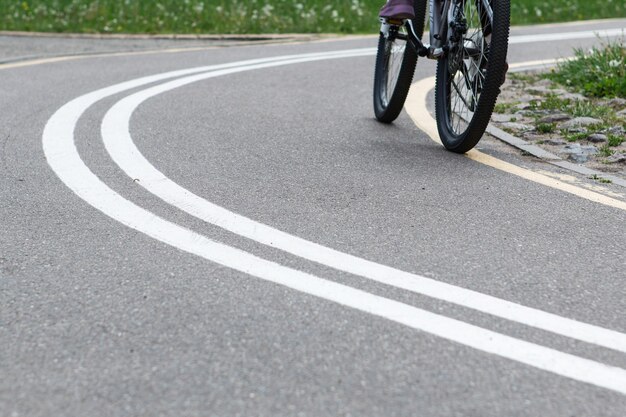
(61, 153)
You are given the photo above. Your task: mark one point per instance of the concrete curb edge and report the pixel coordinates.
(546, 156)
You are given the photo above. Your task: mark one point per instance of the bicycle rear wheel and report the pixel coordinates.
(470, 74)
(395, 65)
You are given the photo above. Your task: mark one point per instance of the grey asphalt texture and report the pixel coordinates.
(98, 319)
(20, 46)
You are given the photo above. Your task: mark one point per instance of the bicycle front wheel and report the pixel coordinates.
(469, 76)
(395, 65)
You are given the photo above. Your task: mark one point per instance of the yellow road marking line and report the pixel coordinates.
(41, 61)
(51, 60)
(416, 108)
(36, 62)
(579, 181)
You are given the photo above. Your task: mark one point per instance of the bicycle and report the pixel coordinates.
(469, 39)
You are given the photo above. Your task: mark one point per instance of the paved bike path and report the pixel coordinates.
(114, 320)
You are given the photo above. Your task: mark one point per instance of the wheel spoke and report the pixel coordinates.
(395, 56)
(460, 94)
(463, 80)
(486, 12)
(468, 80)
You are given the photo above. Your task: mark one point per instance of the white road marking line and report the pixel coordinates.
(82, 189)
(119, 144)
(63, 158)
(551, 37)
(538, 63)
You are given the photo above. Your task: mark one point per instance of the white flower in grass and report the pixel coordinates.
(357, 7)
(614, 63)
(267, 9)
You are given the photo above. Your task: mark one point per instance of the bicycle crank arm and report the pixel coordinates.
(420, 48)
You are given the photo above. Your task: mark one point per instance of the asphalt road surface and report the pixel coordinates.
(229, 232)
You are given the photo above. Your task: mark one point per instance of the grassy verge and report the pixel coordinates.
(599, 72)
(546, 11)
(250, 16)
(190, 16)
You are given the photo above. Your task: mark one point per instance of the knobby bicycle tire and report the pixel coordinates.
(389, 96)
(462, 116)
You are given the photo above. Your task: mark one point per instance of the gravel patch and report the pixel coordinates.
(585, 131)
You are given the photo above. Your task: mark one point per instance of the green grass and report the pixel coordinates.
(251, 16)
(504, 108)
(546, 127)
(599, 72)
(590, 70)
(543, 11)
(523, 77)
(615, 140)
(190, 16)
(589, 109)
(552, 101)
(573, 137)
(575, 108)
(605, 151)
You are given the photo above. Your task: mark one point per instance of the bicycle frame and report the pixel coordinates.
(440, 17)
(471, 65)
(438, 27)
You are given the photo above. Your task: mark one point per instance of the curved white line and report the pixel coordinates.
(119, 144)
(63, 158)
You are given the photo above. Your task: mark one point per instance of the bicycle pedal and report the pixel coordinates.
(395, 22)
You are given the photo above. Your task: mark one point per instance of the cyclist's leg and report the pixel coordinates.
(398, 9)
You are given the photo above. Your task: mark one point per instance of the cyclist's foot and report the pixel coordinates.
(506, 69)
(398, 9)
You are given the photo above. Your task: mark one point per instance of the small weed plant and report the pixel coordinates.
(554, 102)
(600, 179)
(573, 137)
(588, 109)
(605, 151)
(503, 108)
(615, 140)
(546, 127)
